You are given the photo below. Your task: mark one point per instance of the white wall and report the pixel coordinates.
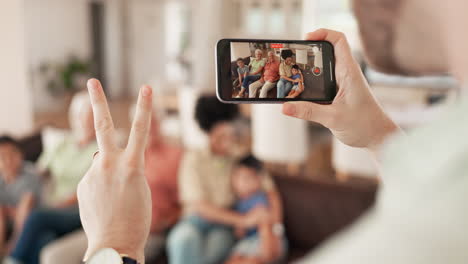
(239, 50)
(15, 104)
(55, 29)
(115, 61)
(146, 44)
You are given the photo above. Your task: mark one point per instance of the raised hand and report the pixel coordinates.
(114, 197)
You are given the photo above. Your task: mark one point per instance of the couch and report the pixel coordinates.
(316, 209)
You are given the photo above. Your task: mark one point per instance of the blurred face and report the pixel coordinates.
(288, 60)
(294, 71)
(241, 64)
(245, 181)
(271, 56)
(222, 138)
(82, 123)
(401, 37)
(10, 161)
(258, 54)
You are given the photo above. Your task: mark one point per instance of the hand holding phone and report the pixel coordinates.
(271, 71)
(354, 116)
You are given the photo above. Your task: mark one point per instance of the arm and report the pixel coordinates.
(276, 207)
(218, 215)
(19, 215)
(270, 244)
(258, 72)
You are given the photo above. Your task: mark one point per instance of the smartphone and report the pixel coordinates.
(275, 71)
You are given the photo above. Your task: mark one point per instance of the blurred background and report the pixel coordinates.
(50, 48)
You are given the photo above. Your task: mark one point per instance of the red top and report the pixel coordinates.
(161, 169)
(271, 71)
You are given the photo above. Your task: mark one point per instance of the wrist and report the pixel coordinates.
(132, 252)
(385, 128)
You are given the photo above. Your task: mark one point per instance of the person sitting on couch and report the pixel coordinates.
(204, 235)
(265, 242)
(269, 77)
(285, 82)
(256, 67)
(242, 71)
(161, 170)
(298, 81)
(66, 164)
(20, 191)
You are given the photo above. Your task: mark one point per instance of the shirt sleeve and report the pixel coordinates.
(190, 182)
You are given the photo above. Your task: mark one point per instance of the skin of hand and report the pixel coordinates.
(354, 116)
(255, 217)
(113, 196)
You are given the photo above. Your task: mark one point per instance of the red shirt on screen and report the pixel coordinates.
(271, 71)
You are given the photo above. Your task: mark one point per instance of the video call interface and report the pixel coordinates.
(277, 70)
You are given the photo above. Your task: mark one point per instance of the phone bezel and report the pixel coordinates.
(223, 77)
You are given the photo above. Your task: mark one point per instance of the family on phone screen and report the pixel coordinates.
(265, 74)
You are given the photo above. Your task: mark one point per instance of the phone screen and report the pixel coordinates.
(253, 71)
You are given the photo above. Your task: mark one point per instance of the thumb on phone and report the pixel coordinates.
(308, 111)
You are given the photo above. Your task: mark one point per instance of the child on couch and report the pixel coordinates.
(298, 82)
(20, 189)
(266, 242)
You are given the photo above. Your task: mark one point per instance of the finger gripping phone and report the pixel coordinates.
(275, 71)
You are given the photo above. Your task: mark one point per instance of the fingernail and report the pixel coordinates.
(289, 109)
(146, 91)
(92, 84)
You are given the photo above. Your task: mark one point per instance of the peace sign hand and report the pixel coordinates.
(113, 196)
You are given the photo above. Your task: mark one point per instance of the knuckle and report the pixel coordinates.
(140, 126)
(134, 163)
(104, 124)
(307, 113)
(341, 35)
